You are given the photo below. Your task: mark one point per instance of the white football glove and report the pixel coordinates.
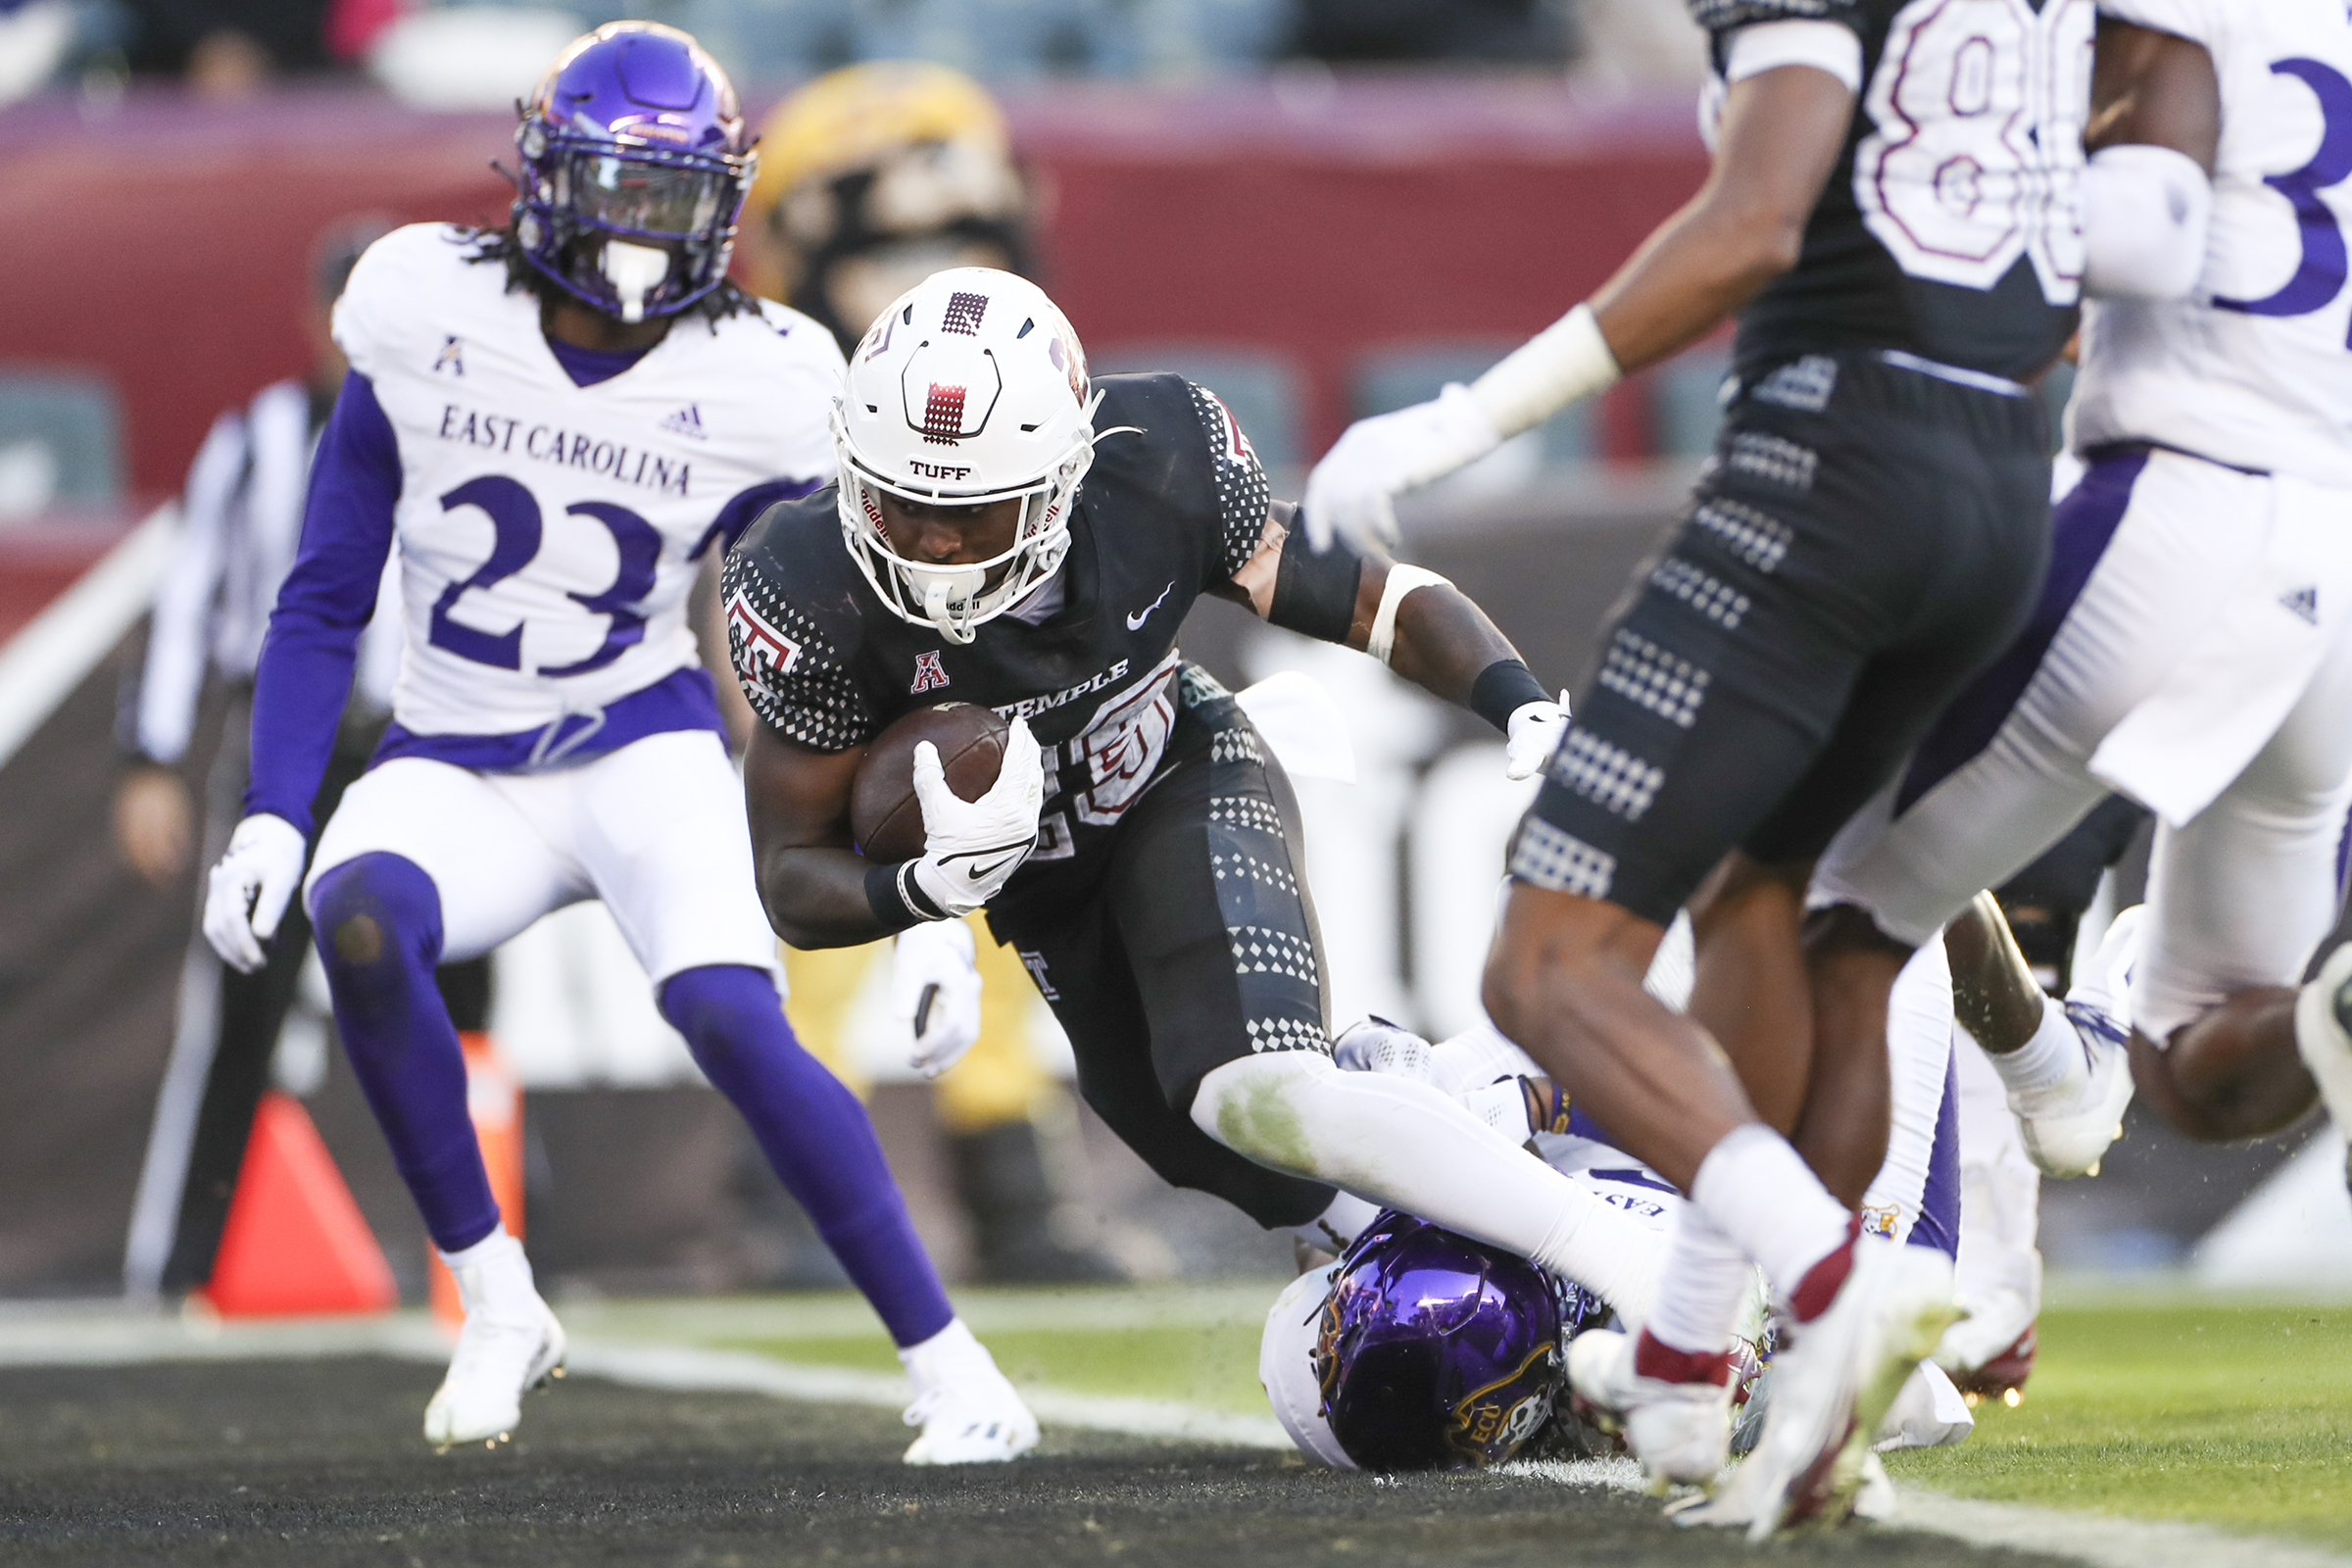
(1352, 491)
(971, 848)
(935, 992)
(1531, 734)
(248, 889)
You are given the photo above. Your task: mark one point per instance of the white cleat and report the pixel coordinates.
(1681, 1432)
(510, 1343)
(1833, 1381)
(2068, 1129)
(969, 1413)
(2324, 1032)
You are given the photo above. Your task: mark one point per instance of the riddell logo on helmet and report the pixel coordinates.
(938, 470)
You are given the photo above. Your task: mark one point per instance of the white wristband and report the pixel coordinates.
(1402, 581)
(1566, 361)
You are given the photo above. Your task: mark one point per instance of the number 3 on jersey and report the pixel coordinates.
(1976, 154)
(513, 513)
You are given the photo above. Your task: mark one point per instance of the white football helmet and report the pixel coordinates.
(970, 388)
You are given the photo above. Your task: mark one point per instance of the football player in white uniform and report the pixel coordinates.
(557, 422)
(1319, 1392)
(2193, 644)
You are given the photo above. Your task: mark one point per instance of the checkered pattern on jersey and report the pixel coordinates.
(1558, 862)
(1709, 595)
(1717, 14)
(1609, 777)
(1263, 906)
(1775, 458)
(1754, 535)
(1667, 684)
(812, 699)
(1243, 493)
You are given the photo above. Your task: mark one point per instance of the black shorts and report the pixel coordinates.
(1181, 941)
(1865, 538)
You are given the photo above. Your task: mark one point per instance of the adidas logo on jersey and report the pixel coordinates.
(2304, 603)
(687, 421)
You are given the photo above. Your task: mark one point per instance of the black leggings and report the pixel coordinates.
(1181, 941)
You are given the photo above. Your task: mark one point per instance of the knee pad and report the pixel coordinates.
(376, 908)
(722, 1008)
(1263, 1107)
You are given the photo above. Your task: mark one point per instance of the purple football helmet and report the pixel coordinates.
(634, 166)
(1435, 1352)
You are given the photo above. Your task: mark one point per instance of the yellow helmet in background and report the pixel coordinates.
(873, 177)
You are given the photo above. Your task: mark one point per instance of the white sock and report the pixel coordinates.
(953, 1350)
(1766, 1201)
(1704, 1286)
(1338, 1225)
(494, 1277)
(1404, 1145)
(2050, 1065)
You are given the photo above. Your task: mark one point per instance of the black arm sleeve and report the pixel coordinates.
(1315, 594)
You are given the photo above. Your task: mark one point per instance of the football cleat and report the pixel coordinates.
(2002, 1375)
(2066, 1130)
(510, 1343)
(968, 1412)
(1680, 1429)
(1834, 1378)
(2323, 1033)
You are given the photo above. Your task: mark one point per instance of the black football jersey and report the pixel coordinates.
(1174, 503)
(1950, 228)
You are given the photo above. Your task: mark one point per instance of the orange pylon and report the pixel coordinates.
(294, 1242)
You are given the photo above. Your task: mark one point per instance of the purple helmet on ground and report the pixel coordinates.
(634, 166)
(1429, 1351)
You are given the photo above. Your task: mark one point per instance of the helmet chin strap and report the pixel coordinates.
(635, 270)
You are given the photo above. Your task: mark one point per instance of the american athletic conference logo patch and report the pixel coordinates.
(929, 675)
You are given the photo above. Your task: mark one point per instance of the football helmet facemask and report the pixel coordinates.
(972, 388)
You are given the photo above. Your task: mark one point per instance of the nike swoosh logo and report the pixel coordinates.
(1135, 622)
(979, 873)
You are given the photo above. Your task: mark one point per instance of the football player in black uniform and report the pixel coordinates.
(1892, 212)
(1007, 532)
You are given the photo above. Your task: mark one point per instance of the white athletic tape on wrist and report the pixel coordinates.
(2146, 211)
(1402, 581)
(1566, 361)
(1769, 45)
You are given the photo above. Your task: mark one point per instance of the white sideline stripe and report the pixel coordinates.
(98, 1339)
(2102, 1541)
(43, 663)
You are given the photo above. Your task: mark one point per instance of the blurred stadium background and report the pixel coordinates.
(1318, 208)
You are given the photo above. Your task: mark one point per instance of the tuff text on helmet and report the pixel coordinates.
(938, 470)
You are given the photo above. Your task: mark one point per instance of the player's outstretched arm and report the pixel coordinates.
(1409, 618)
(1780, 134)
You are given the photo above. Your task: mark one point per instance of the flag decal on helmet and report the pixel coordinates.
(963, 314)
(943, 413)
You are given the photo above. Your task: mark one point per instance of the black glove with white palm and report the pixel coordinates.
(972, 848)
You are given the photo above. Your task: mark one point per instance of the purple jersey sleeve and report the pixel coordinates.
(306, 659)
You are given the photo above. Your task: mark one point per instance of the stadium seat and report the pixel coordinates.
(1264, 390)
(1403, 375)
(60, 440)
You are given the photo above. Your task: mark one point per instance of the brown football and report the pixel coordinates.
(885, 817)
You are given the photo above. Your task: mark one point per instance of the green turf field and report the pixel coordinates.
(2233, 1415)
(2148, 1404)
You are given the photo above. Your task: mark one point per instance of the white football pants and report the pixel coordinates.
(2239, 894)
(656, 830)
